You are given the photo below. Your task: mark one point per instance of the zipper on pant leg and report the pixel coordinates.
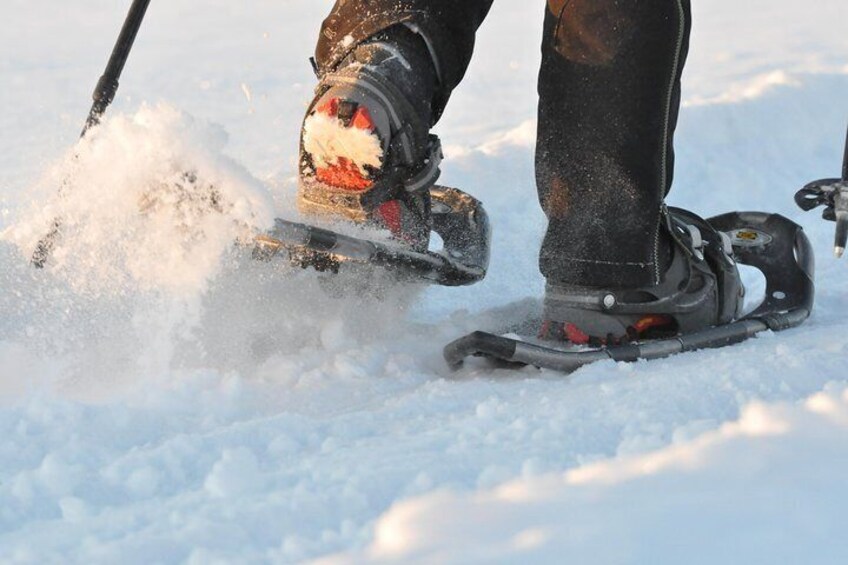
(666, 126)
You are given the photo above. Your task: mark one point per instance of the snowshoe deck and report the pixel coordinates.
(458, 219)
(771, 243)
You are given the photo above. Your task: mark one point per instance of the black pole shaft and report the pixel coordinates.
(107, 86)
(845, 161)
(104, 94)
(841, 209)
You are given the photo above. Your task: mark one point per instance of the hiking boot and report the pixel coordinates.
(700, 288)
(366, 154)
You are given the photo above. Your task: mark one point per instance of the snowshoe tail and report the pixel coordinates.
(773, 244)
(458, 219)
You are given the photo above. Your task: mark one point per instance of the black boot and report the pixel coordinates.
(366, 153)
(700, 288)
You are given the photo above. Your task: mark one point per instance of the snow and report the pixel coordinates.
(770, 465)
(327, 140)
(163, 398)
(190, 215)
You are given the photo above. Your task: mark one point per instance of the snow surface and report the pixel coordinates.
(163, 398)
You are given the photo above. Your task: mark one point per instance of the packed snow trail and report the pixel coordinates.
(781, 456)
(240, 411)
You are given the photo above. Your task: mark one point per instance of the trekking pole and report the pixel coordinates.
(833, 195)
(107, 86)
(104, 94)
(841, 208)
(845, 160)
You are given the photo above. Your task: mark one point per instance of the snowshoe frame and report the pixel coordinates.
(772, 243)
(458, 218)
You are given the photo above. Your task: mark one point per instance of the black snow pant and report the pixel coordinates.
(609, 94)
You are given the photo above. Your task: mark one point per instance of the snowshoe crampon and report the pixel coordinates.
(776, 246)
(458, 219)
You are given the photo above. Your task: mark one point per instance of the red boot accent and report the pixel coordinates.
(362, 119)
(652, 322)
(344, 175)
(575, 335)
(329, 108)
(390, 213)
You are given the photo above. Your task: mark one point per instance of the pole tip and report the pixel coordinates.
(838, 252)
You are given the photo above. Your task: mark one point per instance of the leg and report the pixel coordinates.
(618, 264)
(609, 92)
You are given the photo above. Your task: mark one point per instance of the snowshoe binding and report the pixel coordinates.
(701, 287)
(697, 305)
(366, 156)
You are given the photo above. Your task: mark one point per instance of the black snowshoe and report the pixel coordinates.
(769, 242)
(457, 218)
